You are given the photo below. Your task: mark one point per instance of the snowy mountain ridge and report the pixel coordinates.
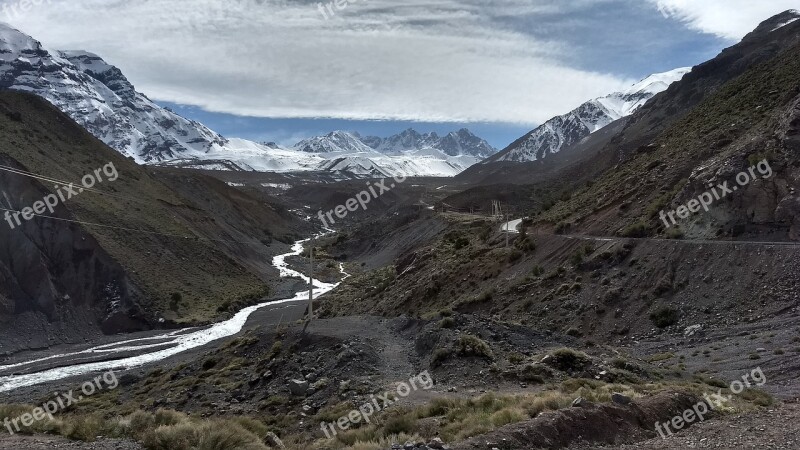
(101, 99)
(565, 130)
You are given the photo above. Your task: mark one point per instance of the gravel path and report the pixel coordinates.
(47, 442)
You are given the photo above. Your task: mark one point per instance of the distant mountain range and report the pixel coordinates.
(99, 97)
(568, 129)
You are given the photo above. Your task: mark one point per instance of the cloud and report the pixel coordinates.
(730, 19)
(427, 60)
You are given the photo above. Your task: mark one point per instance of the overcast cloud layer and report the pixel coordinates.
(730, 19)
(434, 60)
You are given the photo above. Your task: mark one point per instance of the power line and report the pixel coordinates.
(66, 183)
(196, 238)
(55, 180)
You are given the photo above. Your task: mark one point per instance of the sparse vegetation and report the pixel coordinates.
(568, 360)
(665, 317)
(635, 230)
(469, 345)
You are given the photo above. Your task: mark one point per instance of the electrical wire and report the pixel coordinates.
(65, 183)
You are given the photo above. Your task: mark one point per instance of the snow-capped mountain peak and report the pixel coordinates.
(334, 142)
(98, 96)
(565, 130)
(625, 103)
(458, 143)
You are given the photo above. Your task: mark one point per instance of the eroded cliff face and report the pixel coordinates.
(788, 209)
(56, 283)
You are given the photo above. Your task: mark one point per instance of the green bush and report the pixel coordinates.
(665, 317)
(674, 233)
(469, 345)
(577, 258)
(440, 356)
(568, 360)
(635, 230)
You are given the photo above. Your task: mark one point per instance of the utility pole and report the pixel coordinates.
(507, 230)
(311, 282)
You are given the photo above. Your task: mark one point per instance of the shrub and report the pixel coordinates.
(568, 360)
(218, 435)
(396, 425)
(516, 358)
(469, 345)
(756, 158)
(484, 297)
(168, 417)
(276, 349)
(757, 397)
(635, 230)
(180, 437)
(447, 322)
(534, 373)
(439, 356)
(577, 258)
(209, 364)
(139, 422)
(526, 245)
(507, 416)
(574, 332)
(674, 233)
(83, 428)
(665, 317)
(175, 300)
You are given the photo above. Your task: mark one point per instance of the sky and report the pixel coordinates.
(283, 70)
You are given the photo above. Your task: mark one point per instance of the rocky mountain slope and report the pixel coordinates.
(565, 130)
(721, 119)
(99, 97)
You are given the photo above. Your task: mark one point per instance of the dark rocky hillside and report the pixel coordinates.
(61, 280)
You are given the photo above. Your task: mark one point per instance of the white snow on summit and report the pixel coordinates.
(783, 24)
(99, 97)
(565, 130)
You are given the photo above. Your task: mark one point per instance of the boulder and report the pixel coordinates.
(298, 387)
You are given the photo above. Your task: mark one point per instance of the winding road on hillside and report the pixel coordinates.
(513, 227)
(131, 353)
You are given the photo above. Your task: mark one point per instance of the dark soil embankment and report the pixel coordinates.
(607, 423)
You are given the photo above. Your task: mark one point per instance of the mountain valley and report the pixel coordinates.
(539, 289)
